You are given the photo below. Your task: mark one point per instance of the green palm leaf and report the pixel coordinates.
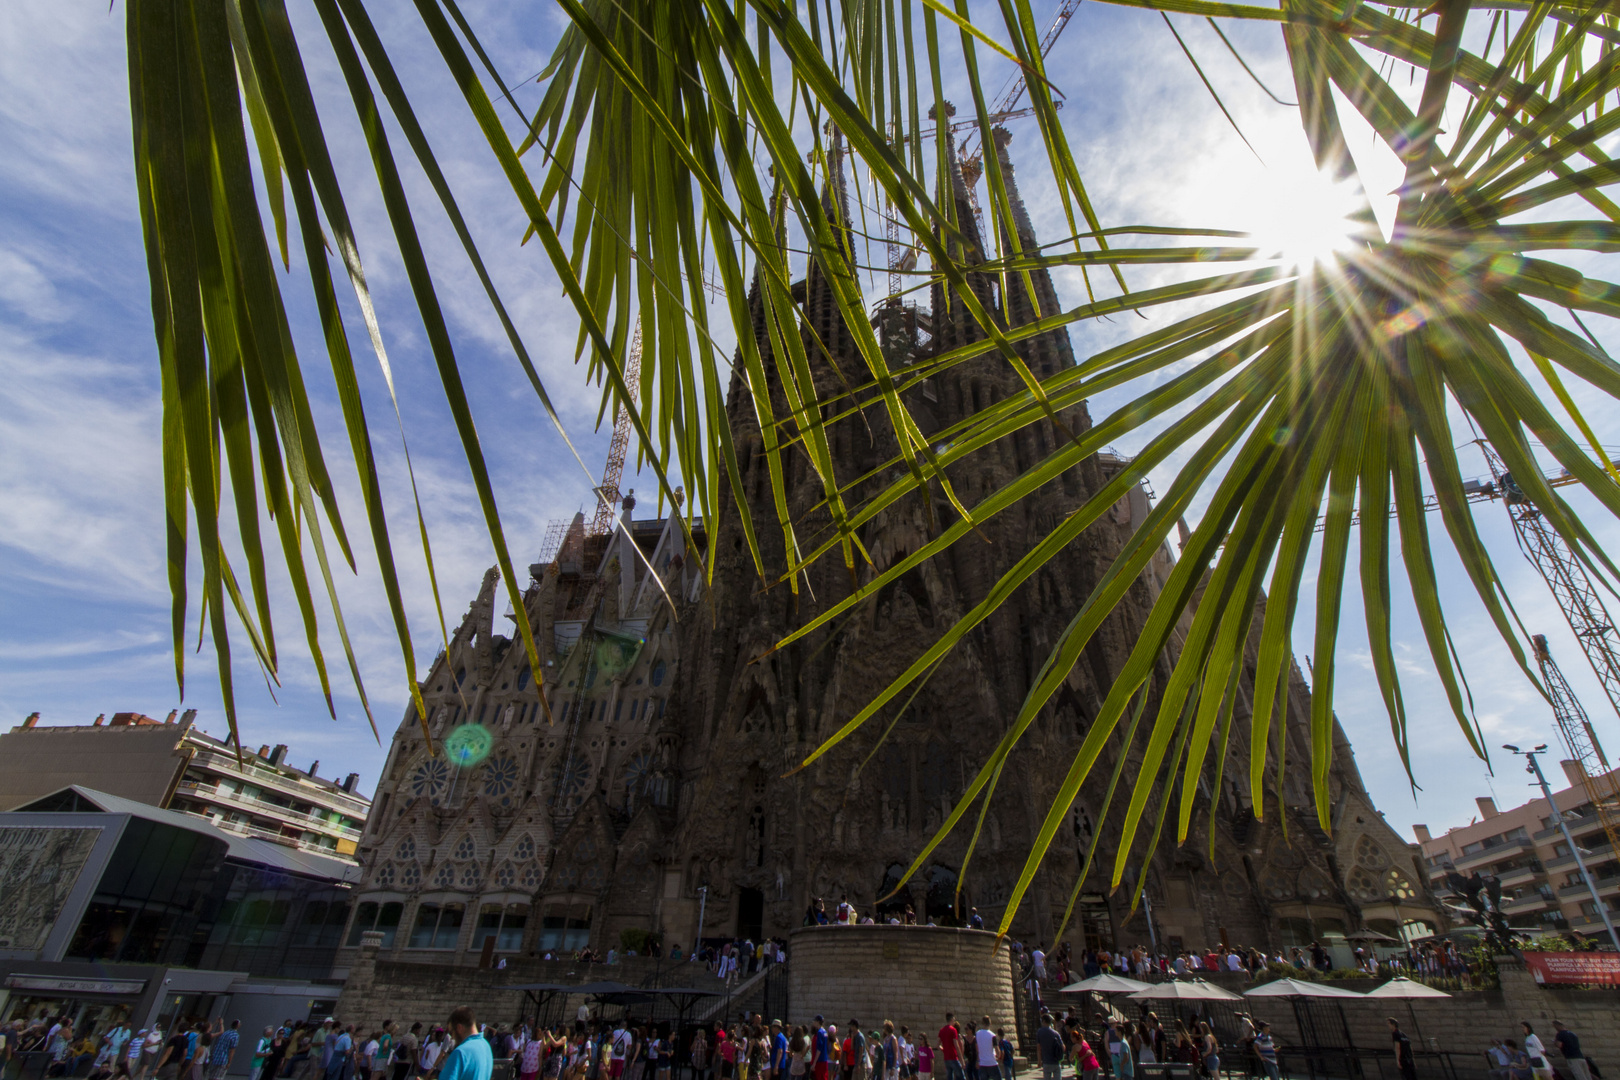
(1291, 394)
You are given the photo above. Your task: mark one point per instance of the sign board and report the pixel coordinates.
(52, 984)
(1574, 968)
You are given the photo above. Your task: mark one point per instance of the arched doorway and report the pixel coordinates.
(941, 905)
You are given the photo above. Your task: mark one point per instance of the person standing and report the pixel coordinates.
(1403, 1050)
(472, 1059)
(989, 1055)
(405, 1051)
(925, 1058)
(340, 1054)
(950, 1048)
(1569, 1044)
(820, 1050)
(1210, 1051)
(223, 1051)
(1049, 1047)
(1536, 1051)
(1265, 1048)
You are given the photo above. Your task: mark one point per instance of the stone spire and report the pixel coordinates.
(1052, 350)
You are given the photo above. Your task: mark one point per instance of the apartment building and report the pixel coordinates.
(1524, 849)
(173, 765)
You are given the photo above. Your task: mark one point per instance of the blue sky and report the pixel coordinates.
(82, 580)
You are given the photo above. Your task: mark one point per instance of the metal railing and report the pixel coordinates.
(269, 809)
(269, 777)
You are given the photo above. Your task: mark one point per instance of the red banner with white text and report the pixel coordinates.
(1574, 968)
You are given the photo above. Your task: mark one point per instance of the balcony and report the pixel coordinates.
(300, 818)
(1576, 825)
(1606, 886)
(265, 776)
(1524, 905)
(1597, 851)
(243, 828)
(1479, 859)
(1519, 875)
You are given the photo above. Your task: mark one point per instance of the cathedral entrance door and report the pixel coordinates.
(750, 914)
(1095, 921)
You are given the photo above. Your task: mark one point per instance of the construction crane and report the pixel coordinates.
(973, 156)
(1570, 584)
(1602, 787)
(607, 495)
(1005, 108)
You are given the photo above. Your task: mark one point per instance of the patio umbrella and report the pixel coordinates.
(1402, 987)
(1184, 990)
(1295, 990)
(1106, 984)
(1299, 988)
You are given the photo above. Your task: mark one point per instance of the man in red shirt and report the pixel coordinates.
(950, 1048)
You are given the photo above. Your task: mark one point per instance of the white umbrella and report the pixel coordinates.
(1189, 990)
(1402, 987)
(1299, 988)
(1106, 983)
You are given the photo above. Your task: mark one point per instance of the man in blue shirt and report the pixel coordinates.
(779, 1050)
(472, 1059)
(820, 1054)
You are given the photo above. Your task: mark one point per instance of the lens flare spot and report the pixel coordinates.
(467, 745)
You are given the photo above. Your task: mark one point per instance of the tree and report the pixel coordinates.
(1298, 391)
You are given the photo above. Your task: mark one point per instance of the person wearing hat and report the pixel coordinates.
(820, 1050)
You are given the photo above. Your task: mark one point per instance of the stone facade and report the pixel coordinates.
(663, 790)
(912, 975)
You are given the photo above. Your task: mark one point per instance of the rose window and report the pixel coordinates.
(567, 877)
(500, 779)
(1398, 886)
(410, 875)
(1362, 885)
(446, 877)
(524, 849)
(471, 876)
(406, 850)
(531, 876)
(506, 876)
(430, 779)
(466, 849)
(1370, 855)
(385, 875)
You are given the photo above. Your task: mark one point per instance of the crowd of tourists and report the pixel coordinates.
(750, 1049)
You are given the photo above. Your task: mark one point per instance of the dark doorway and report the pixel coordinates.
(751, 914)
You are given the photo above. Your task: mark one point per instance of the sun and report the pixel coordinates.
(1304, 218)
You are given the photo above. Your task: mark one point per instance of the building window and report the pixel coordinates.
(437, 927)
(406, 850)
(523, 851)
(505, 925)
(410, 876)
(373, 916)
(466, 849)
(658, 673)
(522, 675)
(446, 877)
(323, 923)
(565, 928)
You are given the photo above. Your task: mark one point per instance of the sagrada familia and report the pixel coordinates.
(664, 798)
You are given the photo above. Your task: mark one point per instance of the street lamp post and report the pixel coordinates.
(1558, 816)
(703, 902)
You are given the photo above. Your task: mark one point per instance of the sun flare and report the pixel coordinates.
(1305, 218)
